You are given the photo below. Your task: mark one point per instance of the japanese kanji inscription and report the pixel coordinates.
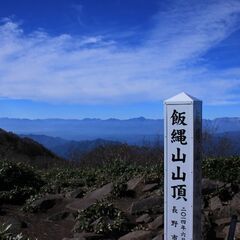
(182, 168)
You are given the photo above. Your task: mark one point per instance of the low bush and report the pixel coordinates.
(223, 169)
(18, 182)
(102, 218)
(119, 188)
(6, 235)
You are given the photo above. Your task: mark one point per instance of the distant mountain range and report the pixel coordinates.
(133, 131)
(71, 138)
(225, 144)
(68, 149)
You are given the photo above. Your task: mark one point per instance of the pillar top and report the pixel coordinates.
(181, 98)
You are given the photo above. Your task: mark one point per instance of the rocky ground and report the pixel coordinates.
(56, 216)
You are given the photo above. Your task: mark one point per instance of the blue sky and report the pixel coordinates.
(117, 58)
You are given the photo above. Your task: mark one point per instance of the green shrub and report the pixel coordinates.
(17, 195)
(6, 235)
(119, 188)
(103, 218)
(29, 205)
(93, 177)
(223, 169)
(18, 181)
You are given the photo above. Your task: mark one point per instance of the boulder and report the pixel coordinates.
(237, 231)
(100, 193)
(134, 183)
(149, 187)
(77, 193)
(73, 239)
(222, 221)
(16, 224)
(223, 212)
(156, 223)
(60, 216)
(81, 204)
(150, 203)
(215, 203)
(219, 233)
(46, 202)
(88, 236)
(235, 204)
(159, 236)
(91, 198)
(145, 218)
(137, 235)
(209, 186)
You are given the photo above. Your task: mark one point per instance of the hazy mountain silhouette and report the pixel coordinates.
(69, 149)
(136, 130)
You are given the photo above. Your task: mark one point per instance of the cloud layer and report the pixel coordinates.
(96, 69)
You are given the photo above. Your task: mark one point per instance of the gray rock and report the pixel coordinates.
(134, 183)
(88, 236)
(150, 203)
(235, 203)
(100, 193)
(215, 203)
(137, 235)
(59, 216)
(237, 231)
(222, 221)
(81, 204)
(219, 233)
(16, 224)
(150, 187)
(91, 198)
(45, 203)
(73, 239)
(159, 236)
(145, 218)
(77, 193)
(156, 223)
(209, 186)
(223, 212)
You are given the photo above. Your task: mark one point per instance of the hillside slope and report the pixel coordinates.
(69, 149)
(14, 148)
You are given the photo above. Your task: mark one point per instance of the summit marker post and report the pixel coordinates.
(182, 168)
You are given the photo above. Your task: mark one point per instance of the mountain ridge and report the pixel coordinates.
(133, 130)
(25, 149)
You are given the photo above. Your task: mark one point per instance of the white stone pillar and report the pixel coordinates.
(182, 168)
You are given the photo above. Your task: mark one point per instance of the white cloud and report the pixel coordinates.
(91, 69)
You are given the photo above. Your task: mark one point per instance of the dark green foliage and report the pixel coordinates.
(223, 169)
(93, 177)
(105, 154)
(119, 188)
(5, 233)
(29, 206)
(16, 195)
(102, 218)
(18, 182)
